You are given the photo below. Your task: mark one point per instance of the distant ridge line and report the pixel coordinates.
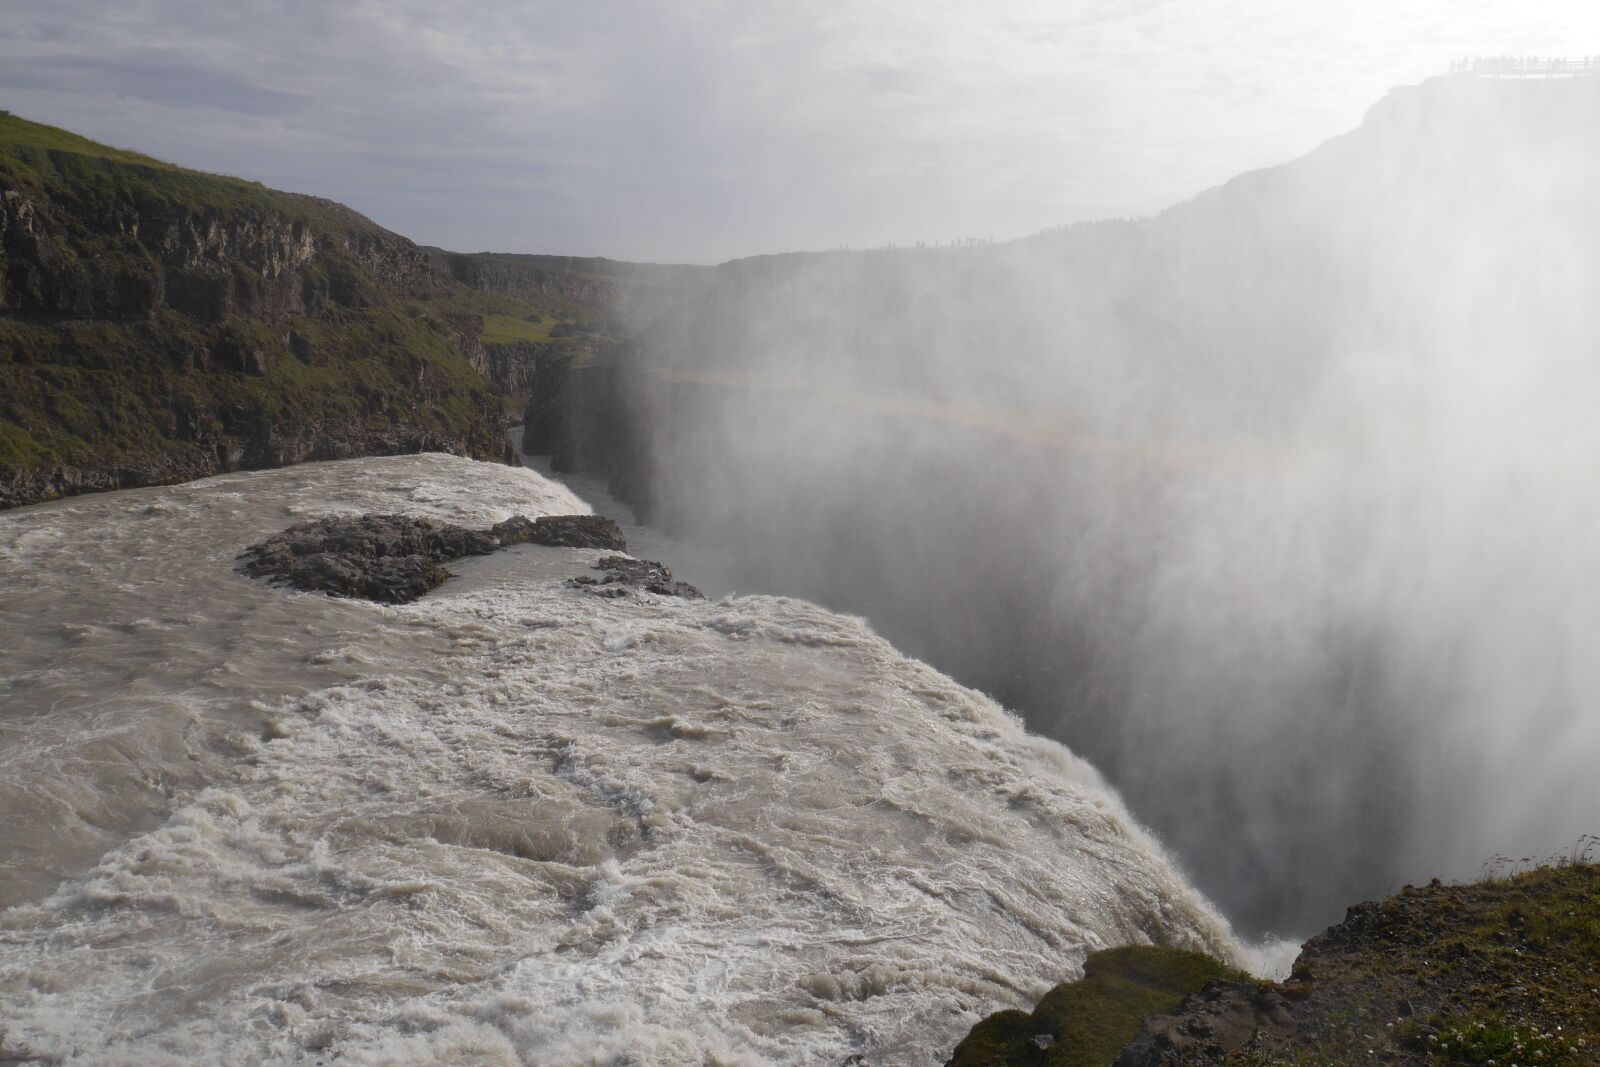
(1525, 67)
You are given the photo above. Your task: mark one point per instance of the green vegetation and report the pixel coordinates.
(1092, 1019)
(43, 160)
(158, 323)
(528, 318)
(1466, 1039)
(511, 329)
(1504, 971)
(121, 396)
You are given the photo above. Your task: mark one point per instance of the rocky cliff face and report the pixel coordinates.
(514, 368)
(631, 295)
(531, 274)
(582, 413)
(63, 253)
(157, 325)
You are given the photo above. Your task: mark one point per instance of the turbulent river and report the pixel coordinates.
(513, 822)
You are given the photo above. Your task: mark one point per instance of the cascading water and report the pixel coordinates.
(512, 822)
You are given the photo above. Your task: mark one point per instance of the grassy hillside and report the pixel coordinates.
(44, 160)
(158, 323)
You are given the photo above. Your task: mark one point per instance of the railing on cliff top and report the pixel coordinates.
(1526, 67)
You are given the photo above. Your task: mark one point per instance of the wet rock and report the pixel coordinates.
(397, 558)
(562, 531)
(623, 574)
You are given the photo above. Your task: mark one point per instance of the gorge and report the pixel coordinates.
(1267, 504)
(1270, 509)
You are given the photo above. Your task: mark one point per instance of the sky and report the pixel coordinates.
(703, 130)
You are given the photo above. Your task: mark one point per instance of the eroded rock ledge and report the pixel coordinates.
(397, 558)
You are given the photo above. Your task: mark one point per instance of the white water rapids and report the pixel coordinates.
(512, 822)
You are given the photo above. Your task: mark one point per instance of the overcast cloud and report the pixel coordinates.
(699, 130)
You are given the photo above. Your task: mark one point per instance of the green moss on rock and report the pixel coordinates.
(1087, 1022)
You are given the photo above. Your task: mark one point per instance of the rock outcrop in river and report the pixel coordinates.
(398, 558)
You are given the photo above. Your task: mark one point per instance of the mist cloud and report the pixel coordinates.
(1276, 507)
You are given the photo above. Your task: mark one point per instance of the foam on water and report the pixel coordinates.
(513, 822)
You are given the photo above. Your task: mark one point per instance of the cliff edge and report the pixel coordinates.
(158, 324)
